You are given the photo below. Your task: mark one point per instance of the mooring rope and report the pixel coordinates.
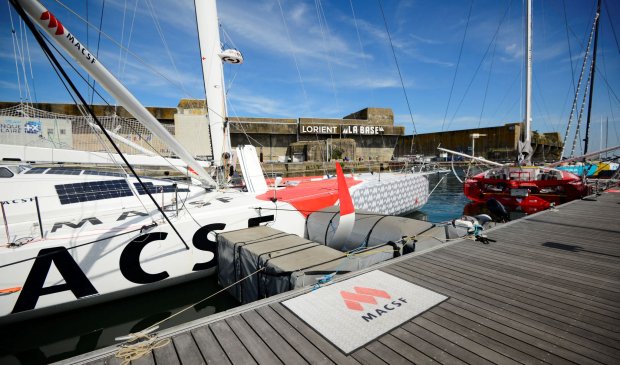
(147, 343)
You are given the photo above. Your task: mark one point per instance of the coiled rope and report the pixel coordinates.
(145, 344)
(131, 350)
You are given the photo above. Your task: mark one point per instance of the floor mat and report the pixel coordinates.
(354, 312)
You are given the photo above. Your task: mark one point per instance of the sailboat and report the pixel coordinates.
(76, 237)
(522, 183)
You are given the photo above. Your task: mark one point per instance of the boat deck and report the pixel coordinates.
(546, 292)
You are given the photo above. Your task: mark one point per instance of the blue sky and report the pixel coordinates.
(427, 37)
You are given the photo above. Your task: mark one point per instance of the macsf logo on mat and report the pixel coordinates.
(367, 296)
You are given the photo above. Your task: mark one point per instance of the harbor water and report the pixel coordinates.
(61, 336)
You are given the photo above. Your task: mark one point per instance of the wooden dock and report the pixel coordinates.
(548, 291)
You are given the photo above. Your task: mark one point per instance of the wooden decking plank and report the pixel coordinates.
(421, 345)
(555, 272)
(187, 349)
(404, 350)
(259, 350)
(529, 275)
(554, 305)
(325, 347)
(387, 354)
(561, 318)
(366, 357)
(304, 347)
(570, 325)
(508, 252)
(499, 308)
(494, 340)
(524, 284)
(144, 360)
(548, 277)
(236, 352)
(553, 344)
(209, 348)
(581, 261)
(449, 347)
(166, 355)
(464, 342)
(492, 344)
(279, 346)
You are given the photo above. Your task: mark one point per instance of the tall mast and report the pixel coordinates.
(213, 76)
(528, 79)
(70, 44)
(525, 147)
(587, 139)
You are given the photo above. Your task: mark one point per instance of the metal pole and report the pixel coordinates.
(36, 201)
(6, 224)
(176, 197)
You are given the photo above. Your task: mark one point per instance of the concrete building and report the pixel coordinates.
(498, 144)
(369, 133)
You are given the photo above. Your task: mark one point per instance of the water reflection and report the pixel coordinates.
(57, 337)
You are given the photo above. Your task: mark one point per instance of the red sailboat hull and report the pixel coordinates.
(525, 186)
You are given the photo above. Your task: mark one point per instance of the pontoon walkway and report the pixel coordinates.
(546, 292)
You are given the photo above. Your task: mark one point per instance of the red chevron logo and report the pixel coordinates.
(362, 295)
(54, 23)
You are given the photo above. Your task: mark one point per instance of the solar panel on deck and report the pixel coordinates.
(36, 170)
(103, 173)
(153, 189)
(57, 171)
(92, 191)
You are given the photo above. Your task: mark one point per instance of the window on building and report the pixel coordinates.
(63, 131)
(50, 130)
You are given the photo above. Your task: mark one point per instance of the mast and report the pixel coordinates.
(70, 44)
(598, 11)
(525, 148)
(213, 77)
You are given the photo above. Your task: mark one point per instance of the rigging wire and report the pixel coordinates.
(570, 54)
(480, 65)
(99, 43)
(47, 50)
(331, 41)
(14, 38)
(329, 65)
(126, 50)
(490, 68)
(608, 94)
(363, 55)
(544, 104)
(457, 65)
(133, 19)
(151, 8)
(295, 58)
(415, 132)
(581, 45)
(504, 98)
(612, 25)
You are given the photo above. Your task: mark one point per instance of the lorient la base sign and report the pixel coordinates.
(354, 312)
